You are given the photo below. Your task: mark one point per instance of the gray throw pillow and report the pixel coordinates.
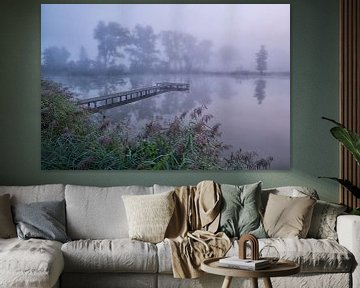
(240, 213)
(7, 226)
(323, 222)
(44, 220)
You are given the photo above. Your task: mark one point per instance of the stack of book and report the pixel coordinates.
(248, 264)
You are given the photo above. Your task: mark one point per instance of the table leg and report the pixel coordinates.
(267, 283)
(254, 282)
(227, 282)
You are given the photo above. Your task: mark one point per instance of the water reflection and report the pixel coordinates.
(234, 103)
(260, 86)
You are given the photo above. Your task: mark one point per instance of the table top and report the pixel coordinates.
(281, 268)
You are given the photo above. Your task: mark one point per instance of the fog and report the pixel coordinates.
(234, 32)
(234, 57)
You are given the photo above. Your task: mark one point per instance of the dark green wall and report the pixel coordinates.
(314, 93)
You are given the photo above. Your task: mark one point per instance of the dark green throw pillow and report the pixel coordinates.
(240, 213)
(43, 220)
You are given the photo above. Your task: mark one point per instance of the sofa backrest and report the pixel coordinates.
(36, 193)
(162, 188)
(293, 191)
(98, 212)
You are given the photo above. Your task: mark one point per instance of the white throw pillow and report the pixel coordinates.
(149, 215)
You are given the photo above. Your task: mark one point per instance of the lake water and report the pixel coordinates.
(254, 112)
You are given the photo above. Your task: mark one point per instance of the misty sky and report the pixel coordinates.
(244, 26)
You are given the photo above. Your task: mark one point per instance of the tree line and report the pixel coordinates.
(140, 50)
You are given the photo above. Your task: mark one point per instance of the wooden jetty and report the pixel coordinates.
(122, 98)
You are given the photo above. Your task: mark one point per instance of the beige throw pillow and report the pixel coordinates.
(7, 226)
(288, 217)
(148, 215)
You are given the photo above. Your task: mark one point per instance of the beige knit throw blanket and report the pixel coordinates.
(191, 231)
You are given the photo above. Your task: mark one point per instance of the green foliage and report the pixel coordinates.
(351, 141)
(355, 211)
(74, 139)
(347, 184)
(70, 140)
(348, 138)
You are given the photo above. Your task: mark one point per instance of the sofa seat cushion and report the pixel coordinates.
(115, 255)
(313, 255)
(30, 263)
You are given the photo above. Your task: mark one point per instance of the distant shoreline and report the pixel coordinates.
(197, 73)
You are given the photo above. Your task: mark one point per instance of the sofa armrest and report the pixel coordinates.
(348, 230)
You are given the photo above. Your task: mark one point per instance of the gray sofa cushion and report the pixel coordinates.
(117, 255)
(30, 263)
(98, 213)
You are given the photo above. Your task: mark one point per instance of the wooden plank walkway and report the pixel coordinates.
(122, 98)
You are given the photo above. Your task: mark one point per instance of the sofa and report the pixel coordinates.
(101, 254)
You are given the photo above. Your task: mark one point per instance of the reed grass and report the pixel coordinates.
(73, 139)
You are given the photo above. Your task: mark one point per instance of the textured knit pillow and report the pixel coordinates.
(7, 226)
(149, 215)
(288, 217)
(43, 220)
(240, 213)
(323, 222)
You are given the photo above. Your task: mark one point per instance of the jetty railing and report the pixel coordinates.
(122, 98)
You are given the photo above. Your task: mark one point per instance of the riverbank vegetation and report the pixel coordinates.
(73, 138)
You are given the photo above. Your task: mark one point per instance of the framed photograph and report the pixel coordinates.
(165, 86)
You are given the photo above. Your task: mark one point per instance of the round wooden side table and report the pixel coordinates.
(281, 268)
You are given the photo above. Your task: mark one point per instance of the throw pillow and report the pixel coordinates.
(293, 191)
(288, 217)
(240, 213)
(7, 226)
(323, 222)
(44, 220)
(149, 215)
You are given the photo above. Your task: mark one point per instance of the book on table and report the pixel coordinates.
(249, 264)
